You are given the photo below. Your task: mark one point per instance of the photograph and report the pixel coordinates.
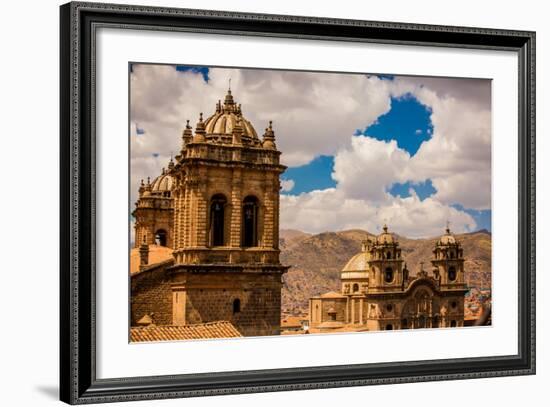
(269, 202)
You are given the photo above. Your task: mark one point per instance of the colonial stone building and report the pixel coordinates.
(378, 292)
(216, 207)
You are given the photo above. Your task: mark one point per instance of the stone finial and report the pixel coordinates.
(269, 138)
(187, 135)
(238, 132)
(365, 245)
(143, 254)
(141, 187)
(200, 131)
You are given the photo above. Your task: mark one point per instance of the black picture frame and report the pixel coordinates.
(78, 382)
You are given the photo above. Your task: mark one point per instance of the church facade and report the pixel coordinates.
(216, 210)
(378, 292)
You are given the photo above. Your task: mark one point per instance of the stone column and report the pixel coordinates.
(268, 213)
(361, 311)
(236, 209)
(346, 316)
(176, 220)
(202, 213)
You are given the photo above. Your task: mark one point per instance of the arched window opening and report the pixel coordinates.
(250, 221)
(404, 324)
(453, 304)
(355, 288)
(388, 255)
(453, 324)
(236, 306)
(388, 275)
(217, 220)
(452, 273)
(161, 237)
(389, 327)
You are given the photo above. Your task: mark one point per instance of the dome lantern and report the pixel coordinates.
(219, 126)
(385, 237)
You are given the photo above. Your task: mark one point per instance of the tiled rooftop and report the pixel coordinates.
(210, 330)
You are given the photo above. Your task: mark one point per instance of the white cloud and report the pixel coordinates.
(330, 209)
(317, 113)
(367, 167)
(287, 185)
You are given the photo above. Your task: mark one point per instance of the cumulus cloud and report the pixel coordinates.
(367, 167)
(317, 114)
(330, 209)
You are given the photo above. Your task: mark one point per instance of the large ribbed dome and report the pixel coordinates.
(227, 116)
(359, 262)
(223, 124)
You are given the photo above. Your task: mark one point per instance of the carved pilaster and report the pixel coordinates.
(236, 212)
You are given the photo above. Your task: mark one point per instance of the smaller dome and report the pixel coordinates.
(162, 183)
(359, 262)
(385, 237)
(447, 239)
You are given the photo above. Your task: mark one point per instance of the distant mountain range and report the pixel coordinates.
(316, 260)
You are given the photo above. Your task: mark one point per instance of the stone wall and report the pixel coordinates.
(151, 293)
(251, 301)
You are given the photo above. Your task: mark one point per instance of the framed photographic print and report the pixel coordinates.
(255, 203)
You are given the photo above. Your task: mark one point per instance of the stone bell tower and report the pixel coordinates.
(226, 224)
(154, 212)
(448, 269)
(386, 264)
(448, 262)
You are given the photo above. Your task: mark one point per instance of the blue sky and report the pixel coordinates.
(312, 176)
(408, 122)
(203, 70)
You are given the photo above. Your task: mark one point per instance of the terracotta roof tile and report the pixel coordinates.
(209, 330)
